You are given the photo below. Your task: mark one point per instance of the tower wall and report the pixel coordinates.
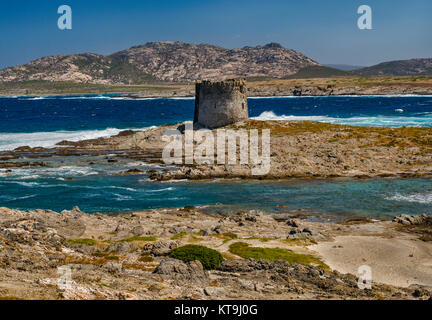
(221, 103)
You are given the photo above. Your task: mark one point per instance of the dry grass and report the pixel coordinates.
(364, 82)
(245, 251)
(138, 266)
(96, 261)
(404, 137)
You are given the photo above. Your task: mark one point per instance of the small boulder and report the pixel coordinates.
(137, 231)
(253, 216)
(122, 247)
(309, 231)
(161, 248)
(206, 232)
(295, 223)
(294, 231)
(114, 268)
(219, 229)
(177, 269)
(244, 265)
(297, 233)
(407, 220)
(213, 291)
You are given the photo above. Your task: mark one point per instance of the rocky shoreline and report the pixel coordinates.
(336, 86)
(298, 150)
(126, 256)
(296, 90)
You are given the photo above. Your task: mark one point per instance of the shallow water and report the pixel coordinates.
(100, 189)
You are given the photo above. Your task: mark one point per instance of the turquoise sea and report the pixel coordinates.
(69, 182)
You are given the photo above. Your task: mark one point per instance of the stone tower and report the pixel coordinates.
(222, 103)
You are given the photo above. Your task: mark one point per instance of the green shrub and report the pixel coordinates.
(209, 258)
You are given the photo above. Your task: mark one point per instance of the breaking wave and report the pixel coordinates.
(374, 121)
(160, 190)
(99, 97)
(424, 198)
(10, 141)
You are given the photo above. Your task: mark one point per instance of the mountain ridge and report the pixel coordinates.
(176, 61)
(164, 61)
(410, 67)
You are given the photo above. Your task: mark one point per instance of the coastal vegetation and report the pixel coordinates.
(179, 236)
(10, 298)
(209, 258)
(245, 251)
(247, 268)
(318, 72)
(103, 244)
(402, 138)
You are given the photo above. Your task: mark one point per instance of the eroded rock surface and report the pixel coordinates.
(107, 261)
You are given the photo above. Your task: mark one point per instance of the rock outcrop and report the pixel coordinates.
(180, 271)
(38, 247)
(218, 104)
(160, 248)
(406, 219)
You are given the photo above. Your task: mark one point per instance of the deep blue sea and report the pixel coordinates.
(44, 121)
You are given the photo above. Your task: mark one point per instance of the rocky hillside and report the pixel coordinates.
(413, 67)
(165, 61)
(84, 68)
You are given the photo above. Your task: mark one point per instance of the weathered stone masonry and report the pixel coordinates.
(220, 103)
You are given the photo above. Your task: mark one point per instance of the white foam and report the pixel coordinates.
(424, 198)
(388, 121)
(35, 98)
(283, 97)
(36, 173)
(101, 97)
(21, 198)
(10, 141)
(161, 190)
(120, 197)
(181, 98)
(25, 184)
(270, 115)
(193, 98)
(123, 188)
(347, 96)
(73, 171)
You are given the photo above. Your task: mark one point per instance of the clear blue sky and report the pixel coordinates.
(325, 30)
